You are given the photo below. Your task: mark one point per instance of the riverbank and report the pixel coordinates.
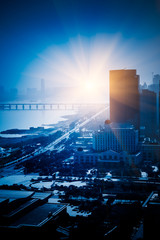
(22, 119)
(12, 137)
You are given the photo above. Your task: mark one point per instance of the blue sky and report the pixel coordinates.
(29, 29)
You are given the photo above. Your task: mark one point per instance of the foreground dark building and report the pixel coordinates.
(28, 213)
(151, 212)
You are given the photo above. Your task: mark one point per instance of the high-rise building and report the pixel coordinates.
(124, 96)
(156, 79)
(149, 112)
(155, 87)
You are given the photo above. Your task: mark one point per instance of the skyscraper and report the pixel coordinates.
(151, 101)
(156, 81)
(149, 112)
(124, 96)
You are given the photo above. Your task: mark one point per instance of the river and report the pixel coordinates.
(22, 119)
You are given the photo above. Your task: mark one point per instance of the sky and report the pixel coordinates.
(71, 42)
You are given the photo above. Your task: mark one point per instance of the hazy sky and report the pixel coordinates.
(64, 41)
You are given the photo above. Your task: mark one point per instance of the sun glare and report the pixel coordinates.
(81, 63)
(89, 86)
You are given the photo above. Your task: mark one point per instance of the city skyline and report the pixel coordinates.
(73, 43)
(91, 93)
(80, 119)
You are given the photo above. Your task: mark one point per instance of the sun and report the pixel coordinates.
(89, 86)
(80, 65)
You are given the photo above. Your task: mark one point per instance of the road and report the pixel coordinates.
(66, 135)
(52, 145)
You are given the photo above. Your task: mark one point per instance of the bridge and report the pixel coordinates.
(50, 106)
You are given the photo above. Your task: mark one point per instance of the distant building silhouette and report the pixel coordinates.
(155, 81)
(151, 212)
(2, 93)
(13, 95)
(32, 94)
(144, 86)
(42, 90)
(124, 96)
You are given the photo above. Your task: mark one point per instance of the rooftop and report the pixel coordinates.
(13, 194)
(39, 215)
(153, 198)
(27, 208)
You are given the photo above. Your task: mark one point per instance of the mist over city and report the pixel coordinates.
(80, 119)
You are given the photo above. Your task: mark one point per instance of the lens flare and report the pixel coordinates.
(81, 64)
(89, 86)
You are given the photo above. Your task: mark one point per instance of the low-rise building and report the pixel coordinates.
(108, 157)
(28, 212)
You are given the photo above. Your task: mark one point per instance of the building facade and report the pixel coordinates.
(117, 137)
(124, 96)
(150, 152)
(109, 157)
(148, 112)
(113, 144)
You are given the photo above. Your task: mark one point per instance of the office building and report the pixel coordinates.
(113, 144)
(2, 93)
(124, 96)
(155, 87)
(148, 112)
(117, 137)
(150, 152)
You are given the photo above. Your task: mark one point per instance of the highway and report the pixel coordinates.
(51, 146)
(66, 135)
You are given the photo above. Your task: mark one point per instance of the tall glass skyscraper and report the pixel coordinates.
(124, 96)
